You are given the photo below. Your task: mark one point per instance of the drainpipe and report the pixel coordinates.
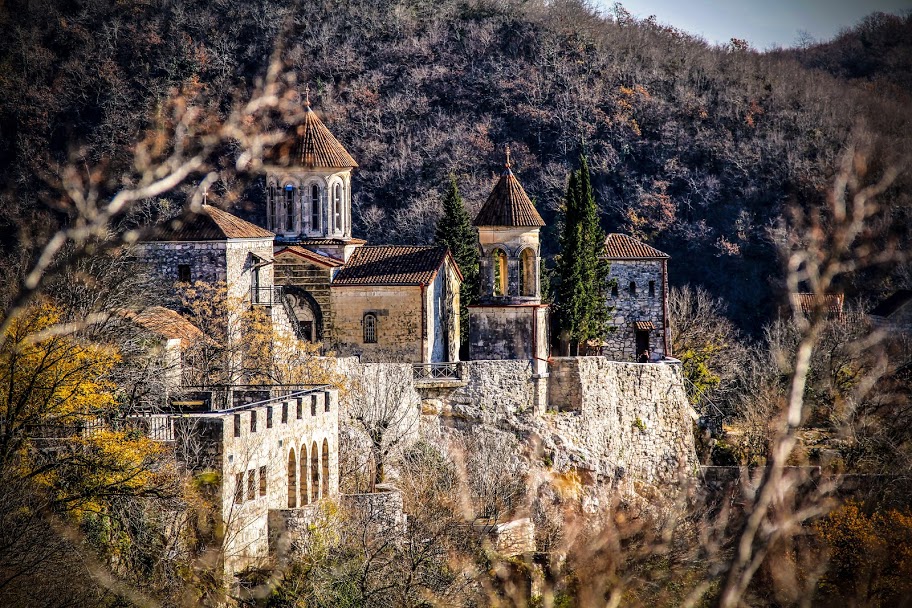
(667, 326)
(424, 335)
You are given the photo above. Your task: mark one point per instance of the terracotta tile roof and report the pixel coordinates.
(644, 325)
(508, 205)
(621, 246)
(165, 322)
(893, 303)
(313, 256)
(392, 265)
(805, 303)
(313, 242)
(210, 224)
(312, 146)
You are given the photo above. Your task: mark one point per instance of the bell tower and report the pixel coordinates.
(308, 189)
(510, 321)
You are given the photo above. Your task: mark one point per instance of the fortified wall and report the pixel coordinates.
(612, 421)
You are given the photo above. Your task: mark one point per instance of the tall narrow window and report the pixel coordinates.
(633, 288)
(289, 208)
(370, 328)
(284, 412)
(614, 291)
(269, 417)
(337, 207)
(262, 481)
(183, 273)
(237, 425)
(300, 408)
(313, 405)
(238, 488)
(271, 205)
(253, 421)
(305, 495)
(652, 289)
(314, 207)
(251, 484)
(326, 403)
(500, 272)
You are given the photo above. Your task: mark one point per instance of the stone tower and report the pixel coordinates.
(510, 321)
(308, 189)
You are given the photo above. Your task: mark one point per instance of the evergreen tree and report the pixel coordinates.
(582, 269)
(455, 230)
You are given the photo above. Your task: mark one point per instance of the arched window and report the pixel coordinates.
(292, 480)
(314, 472)
(527, 273)
(325, 468)
(289, 208)
(305, 495)
(652, 289)
(633, 288)
(314, 207)
(370, 328)
(499, 261)
(337, 206)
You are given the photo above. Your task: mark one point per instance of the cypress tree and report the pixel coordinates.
(455, 230)
(582, 269)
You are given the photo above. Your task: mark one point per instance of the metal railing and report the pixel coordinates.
(265, 296)
(437, 371)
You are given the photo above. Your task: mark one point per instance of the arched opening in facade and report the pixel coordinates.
(314, 472)
(307, 313)
(305, 497)
(499, 263)
(527, 273)
(314, 207)
(325, 470)
(292, 480)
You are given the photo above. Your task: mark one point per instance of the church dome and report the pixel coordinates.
(312, 147)
(508, 204)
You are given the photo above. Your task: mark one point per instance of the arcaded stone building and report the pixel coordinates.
(639, 297)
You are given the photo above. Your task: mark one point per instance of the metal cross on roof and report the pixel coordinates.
(507, 164)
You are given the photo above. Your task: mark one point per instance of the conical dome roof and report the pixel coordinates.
(313, 146)
(508, 205)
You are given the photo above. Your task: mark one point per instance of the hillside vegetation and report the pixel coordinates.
(693, 148)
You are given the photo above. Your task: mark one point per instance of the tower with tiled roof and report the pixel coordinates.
(639, 299)
(510, 321)
(308, 188)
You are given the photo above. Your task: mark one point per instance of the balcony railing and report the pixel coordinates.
(437, 371)
(265, 296)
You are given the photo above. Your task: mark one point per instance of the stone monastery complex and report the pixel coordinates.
(612, 419)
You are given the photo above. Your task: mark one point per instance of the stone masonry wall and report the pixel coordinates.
(621, 421)
(293, 271)
(280, 443)
(621, 343)
(400, 330)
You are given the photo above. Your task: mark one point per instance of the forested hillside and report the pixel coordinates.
(693, 148)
